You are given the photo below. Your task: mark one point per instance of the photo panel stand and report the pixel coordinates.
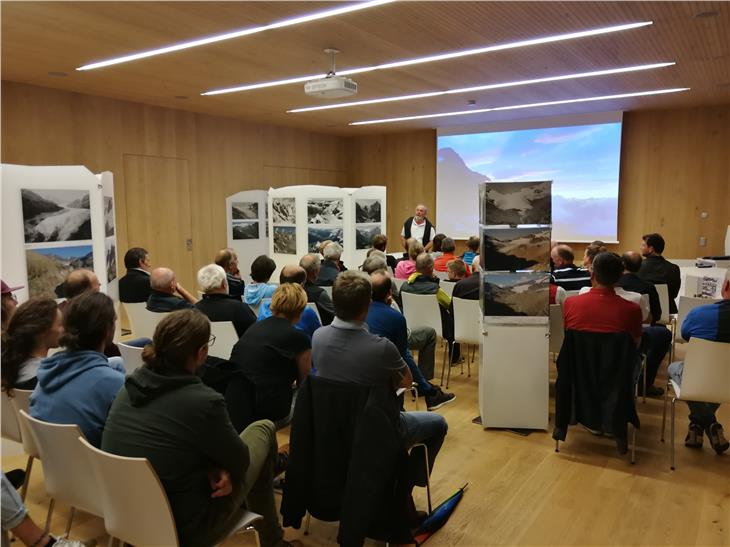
(515, 229)
(248, 228)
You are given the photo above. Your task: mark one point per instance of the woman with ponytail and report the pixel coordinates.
(34, 328)
(166, 414)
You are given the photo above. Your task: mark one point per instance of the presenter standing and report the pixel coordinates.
(419, 228)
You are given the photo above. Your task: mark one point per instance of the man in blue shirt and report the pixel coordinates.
(309, 321)
(709, 322)
(384, 321)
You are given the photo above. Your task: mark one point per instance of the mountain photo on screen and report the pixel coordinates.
(364, 234)
(318, 234)
(368, 210)
(108, 216)
(510, 249)
(515, 203)
(325, 211)
(56, 215)
(285, 240)
(516, 294)
(284, 211)
(49, 266)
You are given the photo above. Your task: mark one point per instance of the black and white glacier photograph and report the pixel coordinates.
(325, 211)
(317, 235)
(517, 294)
(284, 211)
(285, 240)
(367, 210)
(108, 216)
(111, 259)
(516, 203)
(245, 229)
(245, 210)
(364, 234)
(512, 249)
(56, 215)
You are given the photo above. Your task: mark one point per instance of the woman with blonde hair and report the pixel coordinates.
(406, 267)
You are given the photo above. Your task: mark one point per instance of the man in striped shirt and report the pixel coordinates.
(565, 274)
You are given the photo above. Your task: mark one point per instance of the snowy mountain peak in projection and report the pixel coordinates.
(582, 162)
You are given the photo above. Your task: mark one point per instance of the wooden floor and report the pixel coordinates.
(522, 493)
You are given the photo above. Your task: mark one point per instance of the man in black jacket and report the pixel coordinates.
(316, 294)
(135, 286)
(419, 228)
(217, 304)
(658, 270)
(228, 260)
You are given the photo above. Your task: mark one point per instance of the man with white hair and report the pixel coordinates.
(316, 294)
(217, 304)
(162, 296)
(419, 228)
(330, 267)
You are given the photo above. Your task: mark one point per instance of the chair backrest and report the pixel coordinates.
(706, 374)
(686, 305)
(691, 284)
(21, 401)
(225, 338)
(328, 290)
(441, 275)
(422, 310)
(144, 322)
(569, 294)
(10, 426)
(132, 357)
(255, 308)
(314, 307)
(557, 328)
(448, 287)
(136, 508)
(645, 309)
(398, 283)
(65, 469)
(467, 321)
(663, 292)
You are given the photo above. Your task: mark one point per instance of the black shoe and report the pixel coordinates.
(16, 477)
(281, 460)
(439, 399)
(718, 441)
(652, 391)
(694, 436)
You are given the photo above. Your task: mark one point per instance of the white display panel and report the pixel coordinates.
(580, 154)
(252, 206)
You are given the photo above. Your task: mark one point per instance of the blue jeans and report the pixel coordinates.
(699, 413)
(428, 428)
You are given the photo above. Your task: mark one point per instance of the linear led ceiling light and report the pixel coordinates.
(486, 87)
(439, 57)
(519, 106)
(348, 8)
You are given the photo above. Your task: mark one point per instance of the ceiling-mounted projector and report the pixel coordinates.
(331, 86)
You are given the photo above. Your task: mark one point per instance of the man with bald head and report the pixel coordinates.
(81, 281)
(565, 273)
(316, 294)
(419, 228)
(164, 287)
(228, 260)
(309, 321)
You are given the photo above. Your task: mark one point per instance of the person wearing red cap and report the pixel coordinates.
(9, 302)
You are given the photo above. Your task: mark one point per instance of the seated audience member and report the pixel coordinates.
(405, 268)
(591, 251)
(557, 294)
(384, 321)
(472, 250)
(15, 518)
(436, 248)
(330, 269)
(657, 338)
(601, 309)
(380, 242)
(9, 303)
(309, 321)
(217, 304)
(273, 354)
(260, 288)
(316, 294)
(422, 281)
(708, 322)
(36, 327)
(468, 287)
(476, 264)
(565, 273)
(135, 286)
(658, 270)
(373, 263)
(228, 260)
(448, 246)
(166, 414)
(78, 385)
(164, 286)
(346, 352)
(322, 246)
(631, 296)
(457, 270)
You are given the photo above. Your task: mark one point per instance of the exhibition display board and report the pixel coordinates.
(59, 218)
(248, 227)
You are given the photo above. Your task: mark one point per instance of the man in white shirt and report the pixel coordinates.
(419, 228)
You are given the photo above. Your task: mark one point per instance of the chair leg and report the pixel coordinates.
(468, 365)
(443, 368)
(664, 411)
(448, 364)
(633, 444)
(68, 524)
(28, 469)
(557, 448)
(428, 478)
(49, 516)
(671, 441)
(306, 524)
(644, 367)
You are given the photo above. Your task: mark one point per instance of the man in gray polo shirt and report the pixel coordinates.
(345, 351)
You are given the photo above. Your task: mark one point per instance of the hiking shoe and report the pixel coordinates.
(439, 399)
(694, 436)
(718, 441)
(282, 460)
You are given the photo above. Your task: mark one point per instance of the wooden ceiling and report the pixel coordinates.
(43, 38)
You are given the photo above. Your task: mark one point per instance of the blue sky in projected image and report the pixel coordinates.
(581, 160)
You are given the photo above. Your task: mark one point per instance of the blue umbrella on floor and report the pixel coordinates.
(438, 517)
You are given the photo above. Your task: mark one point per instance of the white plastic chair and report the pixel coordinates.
(422, 310)
(663, 292)
(569, 294)
(686, 305)
(557, 329)
(132, 357)
(467, 326)
(135, 505)
(328, 290)
(448, 287)
(706, 377)
(117, 323)
(21, 401)
(65, 471)
(143, 321)
(441, 275)
(255, 308)
(314, 307)
(12, 430)
(225, 338)
(398, 283)
(10, 427)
